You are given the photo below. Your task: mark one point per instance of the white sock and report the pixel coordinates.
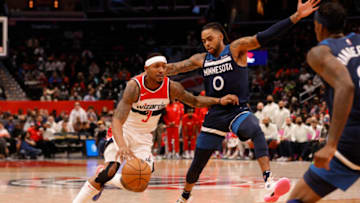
(86, 193)
(115, 181)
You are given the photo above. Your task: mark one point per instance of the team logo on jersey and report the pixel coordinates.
(156, 183)
(150, 106)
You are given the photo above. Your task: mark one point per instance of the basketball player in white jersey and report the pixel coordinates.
(136, 116)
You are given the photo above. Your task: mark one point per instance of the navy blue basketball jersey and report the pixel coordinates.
(347, 50)
(222, 76)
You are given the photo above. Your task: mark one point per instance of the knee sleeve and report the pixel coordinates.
(108, 173)
(199, 162)
(260, 145)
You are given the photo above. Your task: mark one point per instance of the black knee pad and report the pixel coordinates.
(108, 173)
(199, 162)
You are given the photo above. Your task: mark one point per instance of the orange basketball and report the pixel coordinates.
(135, 175)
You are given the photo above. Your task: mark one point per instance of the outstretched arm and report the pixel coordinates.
(130, 96)
(192, 63)
(254, 42)
(177, 91)
(337, 76)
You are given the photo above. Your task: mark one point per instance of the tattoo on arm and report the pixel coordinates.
(177, 91)
(131, 95)
(244, 44)
(187, 65)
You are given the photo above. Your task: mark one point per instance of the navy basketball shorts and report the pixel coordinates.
(323, 181)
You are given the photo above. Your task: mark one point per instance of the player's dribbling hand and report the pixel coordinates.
(323, 157)
(229, 99)
(307, 8)
(124, 153)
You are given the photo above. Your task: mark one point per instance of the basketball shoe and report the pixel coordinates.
(276, 188)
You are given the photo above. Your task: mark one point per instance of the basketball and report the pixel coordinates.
(136, 175)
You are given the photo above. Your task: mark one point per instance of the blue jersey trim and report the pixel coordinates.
(236, 124)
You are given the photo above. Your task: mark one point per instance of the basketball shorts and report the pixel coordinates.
(139, 144)
(339, 176)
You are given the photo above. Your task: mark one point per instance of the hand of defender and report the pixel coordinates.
(323, 157)
(229, 99)
(307, 8)
(124, 153)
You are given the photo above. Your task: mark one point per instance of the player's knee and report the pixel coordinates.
(248, 128)
(108, 173)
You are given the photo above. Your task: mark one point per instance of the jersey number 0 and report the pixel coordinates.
(220, 85)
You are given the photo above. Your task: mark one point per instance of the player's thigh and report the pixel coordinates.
(143, 152)
(245, 126)
(110, 153)
(209, 141)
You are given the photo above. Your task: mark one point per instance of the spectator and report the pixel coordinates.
(281, 115)
(304, 76)
(100, 137)
(271, 135)
(285, 149)
(90, 96)
(309, 86)
(4, 134)
(301, 138)
(77, 114)
(26, 146)
(75, 96)
(91, 115)
(260, 113)
(270, 108)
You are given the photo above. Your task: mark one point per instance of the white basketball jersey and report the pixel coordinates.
(145, 113)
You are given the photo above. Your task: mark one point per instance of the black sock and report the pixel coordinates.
(186, 194)
(266, 175)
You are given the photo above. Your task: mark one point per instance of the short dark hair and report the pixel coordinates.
(219, 27)
(335, 14)
(153, 54)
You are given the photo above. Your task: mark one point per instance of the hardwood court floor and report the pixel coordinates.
(222, 181)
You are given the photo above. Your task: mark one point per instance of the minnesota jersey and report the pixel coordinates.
(347, 51)
(222, 76)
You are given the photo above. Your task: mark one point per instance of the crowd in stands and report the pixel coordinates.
(37, 131)
(294, 119)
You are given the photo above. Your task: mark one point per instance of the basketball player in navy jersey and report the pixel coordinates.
(224, 68)
(337, 60)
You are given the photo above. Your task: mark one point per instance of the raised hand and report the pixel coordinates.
(307, 8)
